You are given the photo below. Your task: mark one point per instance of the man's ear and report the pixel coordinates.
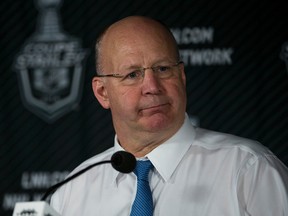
(100, 92)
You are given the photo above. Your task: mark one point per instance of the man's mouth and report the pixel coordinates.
(154, 107)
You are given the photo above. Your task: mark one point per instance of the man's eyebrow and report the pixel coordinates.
(131, 67)
(138, 66)
(163, 61)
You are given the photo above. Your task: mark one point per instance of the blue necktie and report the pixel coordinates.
(143, 203)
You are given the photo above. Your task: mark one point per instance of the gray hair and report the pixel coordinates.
(99, 67)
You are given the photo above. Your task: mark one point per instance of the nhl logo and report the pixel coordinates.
(49, 67)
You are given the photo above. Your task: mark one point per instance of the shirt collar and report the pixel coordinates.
(166, 157)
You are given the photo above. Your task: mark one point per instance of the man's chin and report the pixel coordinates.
(157, 121)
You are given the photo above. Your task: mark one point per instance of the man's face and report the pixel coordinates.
(153, 104)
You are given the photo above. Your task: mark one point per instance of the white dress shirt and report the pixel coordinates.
(196, 172)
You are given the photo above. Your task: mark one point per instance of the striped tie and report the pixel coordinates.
(143, 203)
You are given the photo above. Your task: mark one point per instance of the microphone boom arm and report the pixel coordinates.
(54, 187)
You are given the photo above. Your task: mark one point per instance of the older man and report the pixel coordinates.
(193, 171)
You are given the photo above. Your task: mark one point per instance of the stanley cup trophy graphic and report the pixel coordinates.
(50, 66)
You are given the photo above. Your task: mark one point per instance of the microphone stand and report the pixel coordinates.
(53, 188)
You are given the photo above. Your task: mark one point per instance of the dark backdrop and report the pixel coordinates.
(235, 55)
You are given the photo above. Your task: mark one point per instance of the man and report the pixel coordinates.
(195, 171)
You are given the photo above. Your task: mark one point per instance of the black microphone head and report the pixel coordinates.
(123, 161)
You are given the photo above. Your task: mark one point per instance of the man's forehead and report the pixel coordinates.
(133, 36)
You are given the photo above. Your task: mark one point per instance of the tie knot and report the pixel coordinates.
(142, 169)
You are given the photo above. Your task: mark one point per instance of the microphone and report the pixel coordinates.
(121, 161)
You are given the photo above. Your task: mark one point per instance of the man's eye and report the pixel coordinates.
(163, 68)
(133, 75)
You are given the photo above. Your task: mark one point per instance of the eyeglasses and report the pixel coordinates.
(137, 75)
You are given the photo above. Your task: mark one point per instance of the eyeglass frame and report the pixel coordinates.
(142, 69)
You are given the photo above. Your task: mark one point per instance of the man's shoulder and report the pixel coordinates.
(218, 140)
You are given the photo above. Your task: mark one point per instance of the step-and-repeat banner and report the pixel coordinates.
(236, 58)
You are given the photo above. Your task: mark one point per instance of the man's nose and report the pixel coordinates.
(151, 84)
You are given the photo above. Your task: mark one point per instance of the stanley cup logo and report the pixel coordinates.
(50, 66)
